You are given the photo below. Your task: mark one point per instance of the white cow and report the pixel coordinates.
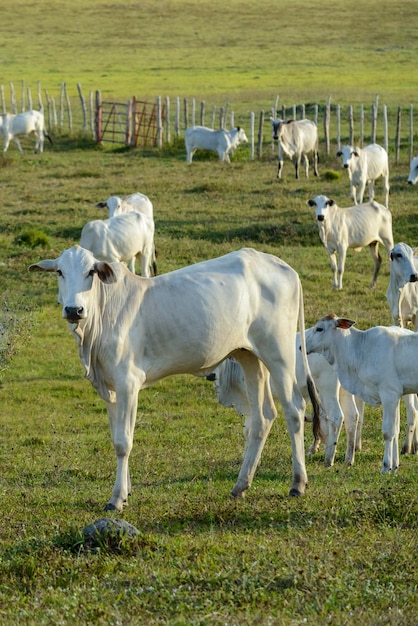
(336, 402)
(364, 166)
(296, 139)
(353, 227)
(122, 238)
(413, 171)
(134, 202)
(12, 124)
(132, 332)
(402, 291)
(221, 141)
(379, 364)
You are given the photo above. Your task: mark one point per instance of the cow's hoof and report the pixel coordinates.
(295, 493)
(110, 507)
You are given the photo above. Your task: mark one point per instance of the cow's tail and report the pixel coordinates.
(48, 136)
(313, 395)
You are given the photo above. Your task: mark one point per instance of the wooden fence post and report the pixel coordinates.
(70, 117)
(91, 108)
(316, 108)
(13, 98)
(260, 136)
(202, 113)
(128, 127)
(193, 112)
(351, 125)
(167, 120)
(30, 106)
(3, 101)
(361, 125)
(398, 135)
(411, 131)
(99, 115)
(326, 125)
(22, 96)
(159, 124)
(252, 124)
(213, 116)
(83, 108)
(385, 128)
(177, 120)
(62, 105)
(185, 113)
(221, 117)
(338, 113)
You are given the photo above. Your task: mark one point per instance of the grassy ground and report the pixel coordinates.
(340, 555)
(345, 553)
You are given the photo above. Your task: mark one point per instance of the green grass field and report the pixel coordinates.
(343, 554)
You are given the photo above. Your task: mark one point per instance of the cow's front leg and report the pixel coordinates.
(122, 416)
(333, 264)
(409, 446)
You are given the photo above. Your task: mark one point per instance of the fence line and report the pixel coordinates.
(338, 124)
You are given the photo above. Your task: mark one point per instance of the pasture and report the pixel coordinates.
(343, 554)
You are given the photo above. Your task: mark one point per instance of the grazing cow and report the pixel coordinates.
(364, 166)
(132, 332)
(337, 403)
(296, 139)
(221, 141)
(134, 202)
(25, 123)
(353, 227)
(379, 364)
(402, 291)
(122, 238)
(413, 171)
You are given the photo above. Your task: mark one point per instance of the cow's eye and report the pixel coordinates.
(92, 272)
(398, 255)
(59, 272)
(319, 329)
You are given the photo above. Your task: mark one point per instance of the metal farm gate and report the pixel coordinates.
(135, 123)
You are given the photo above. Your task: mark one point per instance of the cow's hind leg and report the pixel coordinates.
(390, 429)
(409, 445)
(377, 260)
(258, 425)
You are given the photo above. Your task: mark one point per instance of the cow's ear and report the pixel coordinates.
(105, 272)
(339, 153)
(355, 152)
(330, 202)
(238, 128)
(49, 265)
(311, 203)
(344, 323)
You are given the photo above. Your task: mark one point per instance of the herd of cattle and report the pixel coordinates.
(232, 319)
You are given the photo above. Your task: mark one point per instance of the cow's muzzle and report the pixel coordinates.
(346, 165)
(73, 313)
(211, 377)
(320, 218)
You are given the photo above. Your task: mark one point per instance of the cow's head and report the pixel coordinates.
(77, 271)
(347, 153)
(403, 264)
(321, 204)
(321, 337)
(113, 204)
(276, 124)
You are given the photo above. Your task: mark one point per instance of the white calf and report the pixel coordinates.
(25, 123)
(402, 291)
(122, 238)
(337, 404)
(364, 166)
(353, 227)
(413, 171)
(379, 364)
(221, 141)
(134, 202)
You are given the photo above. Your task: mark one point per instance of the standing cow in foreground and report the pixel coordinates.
(132, 331)
(352, 227)
(13, 124)
(379, 364)
(221, 141)
(296, 139)
(364, 166)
